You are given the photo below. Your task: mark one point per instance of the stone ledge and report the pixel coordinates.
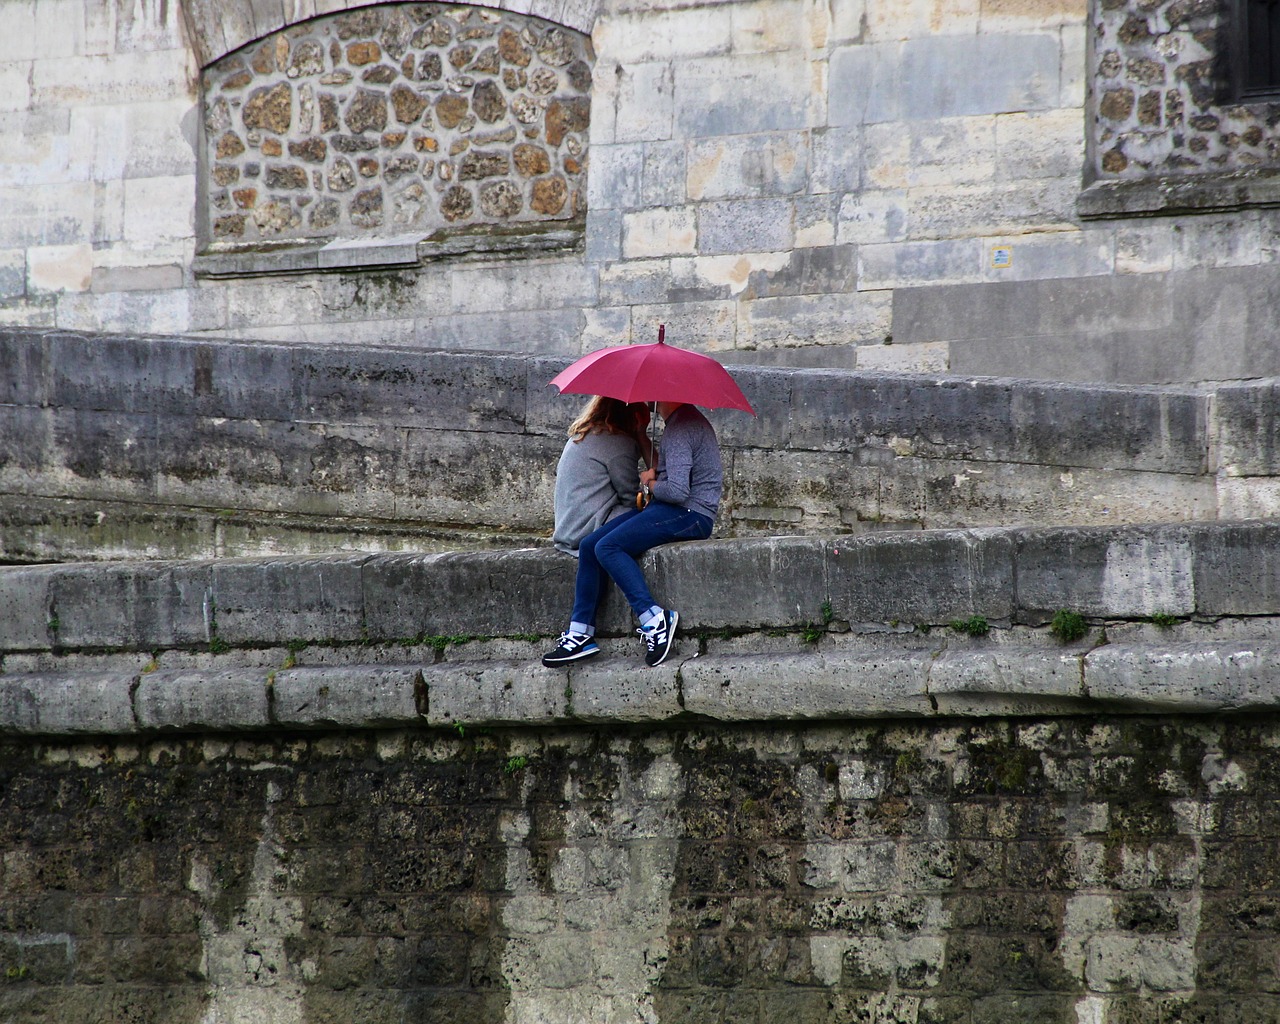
(1209, 193)
(390, 253)
(362, 695)
(345, 432)
(1206, 678)
(870, 583)
(349, 253)
(37, 529)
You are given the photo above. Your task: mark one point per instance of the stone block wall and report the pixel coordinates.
(149, 446)
(1044, 871)
(766, 181)
(98, 172)
(773, 182)
(245, 790)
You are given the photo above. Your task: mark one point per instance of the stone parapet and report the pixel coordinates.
(870, 583)
(128, 446)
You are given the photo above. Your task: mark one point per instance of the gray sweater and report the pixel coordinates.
(689, 470)
(596, 479)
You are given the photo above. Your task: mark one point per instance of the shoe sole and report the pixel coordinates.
(551, 662)
(671, 640)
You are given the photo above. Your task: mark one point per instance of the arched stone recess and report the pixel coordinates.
(218, 27)
(396, 120)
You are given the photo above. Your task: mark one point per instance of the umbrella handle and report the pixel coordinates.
(644, 496)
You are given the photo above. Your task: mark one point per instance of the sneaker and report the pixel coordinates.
(659, 636)
(571, 647)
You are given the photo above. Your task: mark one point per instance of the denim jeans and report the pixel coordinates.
(612, 550)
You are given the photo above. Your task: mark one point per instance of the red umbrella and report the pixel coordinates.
(653, 373)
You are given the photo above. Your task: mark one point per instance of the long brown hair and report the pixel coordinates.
(604, 415)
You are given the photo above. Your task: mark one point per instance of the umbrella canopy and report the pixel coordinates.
(653, 373)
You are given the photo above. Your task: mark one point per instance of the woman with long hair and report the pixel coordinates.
(598, 474)
(686, 490)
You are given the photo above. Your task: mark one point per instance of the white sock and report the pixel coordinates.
(647, 618)
(582, 627)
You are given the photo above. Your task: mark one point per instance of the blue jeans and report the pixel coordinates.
(612, 550)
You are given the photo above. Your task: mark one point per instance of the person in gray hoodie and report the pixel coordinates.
(686, 488)
(598, 477)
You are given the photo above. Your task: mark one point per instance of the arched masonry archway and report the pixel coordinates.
(218, 27)
(421, 119)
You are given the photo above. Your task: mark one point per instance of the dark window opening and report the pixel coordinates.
(1255, 65)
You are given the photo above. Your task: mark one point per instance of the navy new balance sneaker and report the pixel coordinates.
(571, 647)
(658, 636)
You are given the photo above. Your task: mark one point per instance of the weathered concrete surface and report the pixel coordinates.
(127, 446)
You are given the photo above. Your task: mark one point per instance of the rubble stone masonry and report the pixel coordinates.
(1160, 94)
(394, 119)
(1046, 871)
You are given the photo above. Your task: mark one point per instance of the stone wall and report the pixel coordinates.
(395, 120)
(294, 791)
(1163, 104)
(1044, 871)
(776, 182)
(142, 446)
(933, 624)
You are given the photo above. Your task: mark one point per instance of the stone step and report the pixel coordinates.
(867, 584)
(893, 682)
(951, 622)
(130, 446)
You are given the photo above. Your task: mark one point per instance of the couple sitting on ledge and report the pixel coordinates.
(601, 519)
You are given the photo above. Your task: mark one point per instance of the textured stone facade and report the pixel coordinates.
(396, 119)
(777, 182)
(1161, 104)
(1037, 872)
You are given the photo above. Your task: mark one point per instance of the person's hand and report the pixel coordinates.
(648, 477)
